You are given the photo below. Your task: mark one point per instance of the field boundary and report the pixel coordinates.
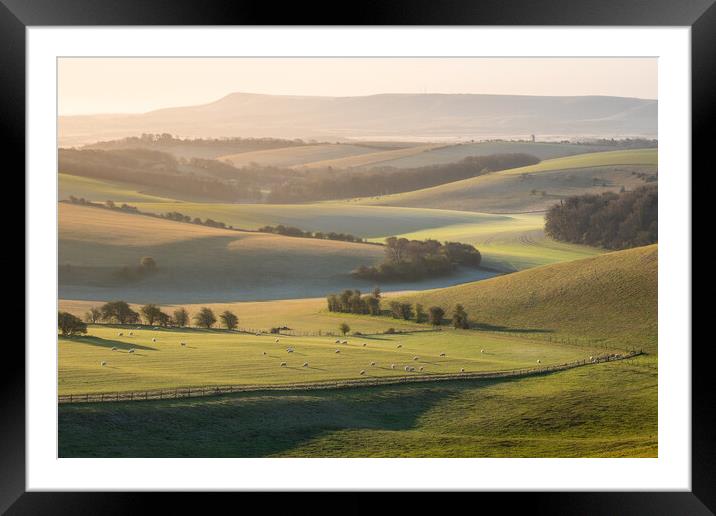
(216, 390)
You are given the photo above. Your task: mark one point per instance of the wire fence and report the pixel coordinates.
(409, 377)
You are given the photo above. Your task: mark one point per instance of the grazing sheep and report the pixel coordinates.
(305, 364)
(114, 349)
(482, 351)
(154, 339)
(183, 343)
(131, 333)
(283, 364)
(364, 344)
(392, 366)
(462, 369)
(421, 369)
(338, 341)
(131, 351)
(120, 334)
(258, 334)
(289, 350)
(373, 364)
(277, 340)
(338, 351)
(407, 368)
(344, 342)
(442, 354)
(539, 361)
(264, 353)
(103, 363)
(416, 358)
(412, 369)
(400, 345)
(362, 372)
(591, 359)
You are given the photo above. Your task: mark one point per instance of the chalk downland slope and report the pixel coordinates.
(195, 263)
(610, 298)
(535, 187)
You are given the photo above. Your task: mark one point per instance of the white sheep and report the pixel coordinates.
(277, 340)
(442, 354)
(258, 334)
(392, 366)
(364, 344)
(338, 341)
(120, 334)
(131, 351)
(154, 339)
(131, 333)
(362, 372)
(407, 368)
(421, 369)
(591, 359)
(412, 369)
(344, 342)
(462, 369)
(289, 350)
(539, 361)
(482, 351)
(305, 364)
(283, 364)
(183, 343)
(103, 363)
(400, 345)
(373, 364)
(114, 349)
(338, 351)
(416, 358)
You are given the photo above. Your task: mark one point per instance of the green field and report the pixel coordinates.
(534, 187)
(101, 190)
(452, 153)
(554, 313)
(376, 158)
(231, 358)
(298, 155)
(605, 410)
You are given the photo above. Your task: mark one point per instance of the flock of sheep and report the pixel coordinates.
(407, 369)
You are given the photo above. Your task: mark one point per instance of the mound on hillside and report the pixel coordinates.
(611, 297)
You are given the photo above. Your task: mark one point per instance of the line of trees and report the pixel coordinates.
(120, 312)
(610, 220)
(416, 259)
(353, 302)
(327, 184)
(297, 232)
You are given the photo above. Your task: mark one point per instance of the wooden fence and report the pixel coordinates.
(215, 390)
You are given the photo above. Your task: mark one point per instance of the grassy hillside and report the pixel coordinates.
(453, 153)
(535, 187)
(297, 156)
(379, 157)
(230, 358)
(195, 263)
(100, 190)
(607, 410)
(612, 298)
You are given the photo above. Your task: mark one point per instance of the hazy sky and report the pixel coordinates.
(135, 85)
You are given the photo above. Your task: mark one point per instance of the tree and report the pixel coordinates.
(406, 311)
(229, 319)
(419, 313)
(376, 292)
(120, 312)
(344, 328)
(459, 318)
(373, 305)
(93, 315)
(181, 317)
(69, 324)
(150, 313)
(334, 304)
(205, 318)
(148, 264)
(436, 315)
(395, 310)
(164, 319)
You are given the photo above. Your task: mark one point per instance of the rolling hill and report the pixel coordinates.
(535, 187)
(611, 298)
(396, 116)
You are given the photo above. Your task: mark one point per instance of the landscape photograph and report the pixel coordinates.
(357, 257)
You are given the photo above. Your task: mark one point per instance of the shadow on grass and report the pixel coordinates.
(507, 329)
(244, 425)
(108, 343)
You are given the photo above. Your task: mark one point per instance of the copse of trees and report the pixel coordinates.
(416, 259)
(93, 315)
(205, 318)
(610, 220)
(459, 318)
(436, 315)
(70, 325)
(181, 317)
(326, 184)
(150, 313)
(297, 232)
(147, 265)
(353, 302)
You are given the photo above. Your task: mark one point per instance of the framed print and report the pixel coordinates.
(418, 250)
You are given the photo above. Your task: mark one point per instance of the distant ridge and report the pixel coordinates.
(389, 116)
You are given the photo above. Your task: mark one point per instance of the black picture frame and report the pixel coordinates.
(700, 15)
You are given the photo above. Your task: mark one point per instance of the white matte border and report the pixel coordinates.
(671, 471)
